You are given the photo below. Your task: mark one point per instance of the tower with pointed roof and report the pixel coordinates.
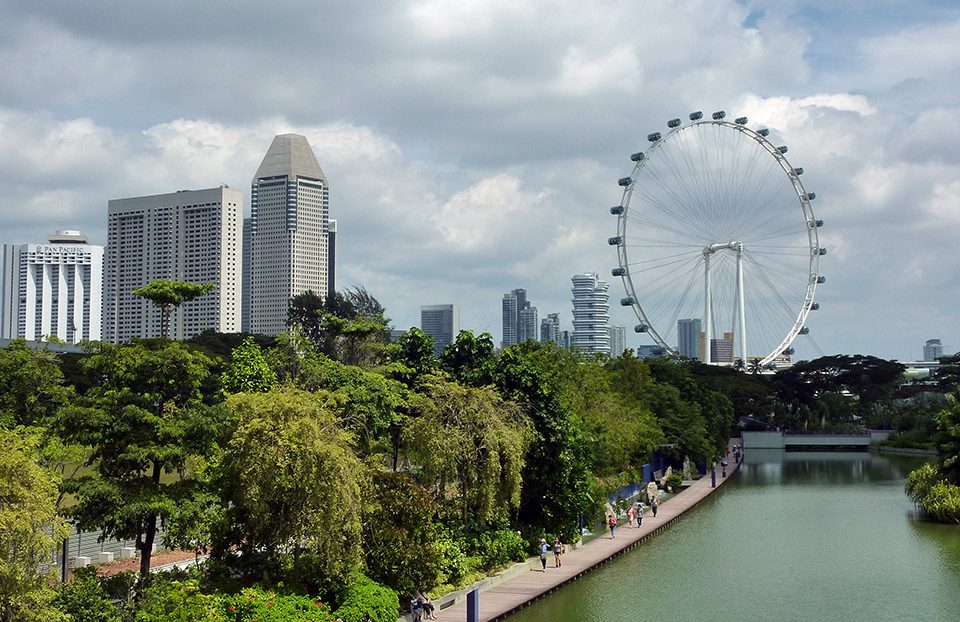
(289, 226)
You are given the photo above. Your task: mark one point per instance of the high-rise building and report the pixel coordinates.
(550, 328)
(591, 313)
(721, 350)
(331, 257)
(508, 310)
(932, 350)
(52, 290)
(618, 340)
(289, 232)
(442, 322)
(689, 338)
(190, 235)
(566, 339)
(527, 324)
(514, 330)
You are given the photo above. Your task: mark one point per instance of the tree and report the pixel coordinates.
(168, 295)
(292, 481)
(142, 419)
(31, 385)
(347, 326)
(248, 371)
(27, 511)
(470, 359)
(947, 440)
(412, 357)
(473, 439)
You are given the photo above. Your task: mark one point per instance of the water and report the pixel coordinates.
(794, 536)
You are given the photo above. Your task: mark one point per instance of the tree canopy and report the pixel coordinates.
(168, 295)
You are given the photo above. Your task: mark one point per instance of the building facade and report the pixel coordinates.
(527, 326)
(550, 328)
(189, 235)
(591, 314)
(442, 322)
(690, 338)
(618, 340)
(516, 318)
(52, 290)
(289, 232)
(932, 350)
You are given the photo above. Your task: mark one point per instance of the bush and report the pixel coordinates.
(943, 502)
(499, 548)
(454, 564)
(675, 481)
(176, 601)
(364, 596)
(85, 599)
(254, 604)
(920, 481)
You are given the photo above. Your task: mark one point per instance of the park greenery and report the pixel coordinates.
(330, 473)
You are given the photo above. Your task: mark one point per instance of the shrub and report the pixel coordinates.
(176, 601)
(454, 564)
(254, 604)
(920, 481)
(675, 481)
(363, 596)
(499, 548)
(85, 599)
(943, 502)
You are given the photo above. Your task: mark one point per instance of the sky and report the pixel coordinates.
(473, 147)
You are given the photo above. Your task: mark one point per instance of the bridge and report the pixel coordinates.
(813, 442)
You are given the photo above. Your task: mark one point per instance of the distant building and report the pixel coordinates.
(527, 324)
(566, 339)
(331, 257)
(515, 327)
(649, 352)
(721, 350)
(442, 322)
(690, 338)
(550, 329)
(396, 333)
(289, 232)
(618, 340)
(52, 290)
(189, 235)
(932, 350)
(591, 314)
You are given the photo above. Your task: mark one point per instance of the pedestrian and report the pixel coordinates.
(416, 609)
(544, 548)
(723, 465)
(654, 502)
(427, 604)
(639, 514)
(557, 551)
(631, 515)
(612, 523)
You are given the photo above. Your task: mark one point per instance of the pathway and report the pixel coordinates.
(498, 601)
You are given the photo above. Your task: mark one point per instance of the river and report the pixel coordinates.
(793, 536)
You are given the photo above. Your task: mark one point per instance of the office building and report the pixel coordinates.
(690, 338)
(591, 314)
(550, 328)
(932, 350)
(527, 324)
(721, 350)
(516, 326)
(618, 340)
(649, 352)
(442, 322)
(52, 290)
(189, 235)
(289, 232)
(331, 257)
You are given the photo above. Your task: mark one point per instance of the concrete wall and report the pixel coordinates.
(762, 440)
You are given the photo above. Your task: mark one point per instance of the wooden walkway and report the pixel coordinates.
(499, 601)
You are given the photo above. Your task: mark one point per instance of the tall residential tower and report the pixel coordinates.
(289, 232)
(591, 313)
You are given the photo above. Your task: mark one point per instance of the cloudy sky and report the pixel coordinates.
(473, 146)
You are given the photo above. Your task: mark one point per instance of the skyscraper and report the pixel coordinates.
(509, 320)
(527, 324)
(932, 350)
(289, 232)
(189, 235)
(591, 313)
(550, 328)
(52, 290)
(442, 322)
(618, 340)
(689, 338)
(516, 325)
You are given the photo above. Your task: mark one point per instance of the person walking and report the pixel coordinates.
(654, 502)
(544, 548)
(612, 523)
(557, 552)
(631, 515)
(639, 514)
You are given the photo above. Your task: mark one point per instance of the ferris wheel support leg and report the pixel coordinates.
(740, 306)
(708, 303)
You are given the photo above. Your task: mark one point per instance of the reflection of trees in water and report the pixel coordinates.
(836, 468)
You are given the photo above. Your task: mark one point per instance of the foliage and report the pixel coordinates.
(470, 359)
(348, 326)
(176, 601)
(920, 481)
(291, 480)
(471, 438)
(27, 511)
(168, 295)
(363, 596)
(398, 533)
(943, 502)
(675, 481)
(412, 357)
(867, 377)
(947, 439)
(85, 599)
(142, 418)
(31, 385)
(190, 524)
(454, 564)
(248, 371)
(255, 604)
(499, 548)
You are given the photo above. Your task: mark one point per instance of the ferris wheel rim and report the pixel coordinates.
(803, 198)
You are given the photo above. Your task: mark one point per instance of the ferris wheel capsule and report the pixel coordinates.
(696, 116)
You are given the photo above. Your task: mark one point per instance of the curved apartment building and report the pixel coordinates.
(591, 313)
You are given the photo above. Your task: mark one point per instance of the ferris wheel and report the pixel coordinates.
(717, 243)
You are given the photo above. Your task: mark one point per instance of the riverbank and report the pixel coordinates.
(524, 583)
(904, 451)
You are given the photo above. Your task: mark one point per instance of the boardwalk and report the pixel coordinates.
(498, 601)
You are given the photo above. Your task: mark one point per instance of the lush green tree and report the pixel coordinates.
(411, 357)
(398, 533)
(470, 359)
(868, 377)
(27, 511)
(682, 423)
(248, 370)
(292, 482)
(470, 438)
(169, 295)
(143, 418)
(31, 385)
(348, 326)
(947, 440)
(84, 598)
